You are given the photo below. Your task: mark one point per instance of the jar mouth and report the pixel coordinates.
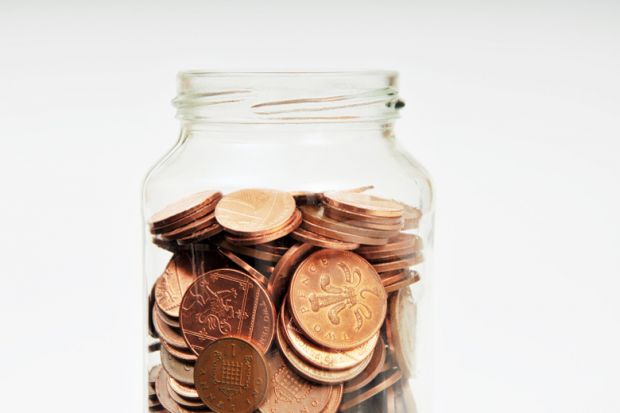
(287, 97)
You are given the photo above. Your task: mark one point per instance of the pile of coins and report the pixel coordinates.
(284, 302)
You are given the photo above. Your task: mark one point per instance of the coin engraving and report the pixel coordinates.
(337, 299)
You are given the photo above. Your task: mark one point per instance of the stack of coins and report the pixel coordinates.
(284, 302)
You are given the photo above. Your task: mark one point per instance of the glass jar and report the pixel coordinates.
(286, 250)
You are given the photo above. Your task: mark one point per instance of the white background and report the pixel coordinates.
(512, 105)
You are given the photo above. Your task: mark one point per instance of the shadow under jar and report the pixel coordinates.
(286, 251)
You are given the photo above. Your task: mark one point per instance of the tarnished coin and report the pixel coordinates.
(371, 371)
(364, 204)
(245, 266)
(282, 231)
(252, 212)
(337, 299)
(312, 372)
(403, 320)
(184, 207)
(231, 376)
(227, 302)
(317, 240)
(180, 370)
(316, 215)
(322, 357)
(283, 271)
(386, 383)
(290, 393)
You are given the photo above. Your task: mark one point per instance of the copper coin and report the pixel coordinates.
(316, 215)
(189, 392)
(188, 219)
(371, 392)
(405, 262)
(288, 227)
(246, 267)
(364, 221)
(184, 207)
(182, 401)
(180, 370)
(314, 373)
(168, 334)
(172, 322)
(163, 395)
(182, 270)
(317, 240)
(412, 278)
(334, 401)
(337, 299)
(377, 362)
(290, 393)
(252, 212)
(281, 275)
(364, 204)
(153, 373)
(201, 235)
(250, 251)
(180, 354)
(402, 241)
(341, 236)
(412, 216)
(231, 375)
(320, 356)
(227, 302)
(278, 247)
(403, 319)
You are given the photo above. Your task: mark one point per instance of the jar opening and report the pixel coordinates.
(287, 97)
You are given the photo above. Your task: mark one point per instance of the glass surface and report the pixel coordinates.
(294, 133)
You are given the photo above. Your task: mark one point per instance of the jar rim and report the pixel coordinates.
(286, 96)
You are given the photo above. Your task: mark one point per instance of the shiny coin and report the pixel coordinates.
(362, 220)
(364, 204)
(316, 215)
(400, 264)
(184, 207)
(281, 275)
(288, 227)
(231, 376)
(180, 370)
(334, 401)
(185, 355)
(252, 212)
(167, 333)
(411, 278)
(186, 220)
(245, 266)
(403, 318)
(172, 322)
(320, 356)
(402, 241)
(179, 274)
(291, 393)
(337, 299)
(227, 302)
(317, 240)
(371, 371)
(250, 251)
(314, 373)
(386, 383)
(342, 236)
(201, 234)
(189, 392)
(182, 401)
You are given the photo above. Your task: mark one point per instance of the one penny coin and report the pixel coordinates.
(231, 376)
(252, 212)
(226, 302)
(337, 299)
(291, 393)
